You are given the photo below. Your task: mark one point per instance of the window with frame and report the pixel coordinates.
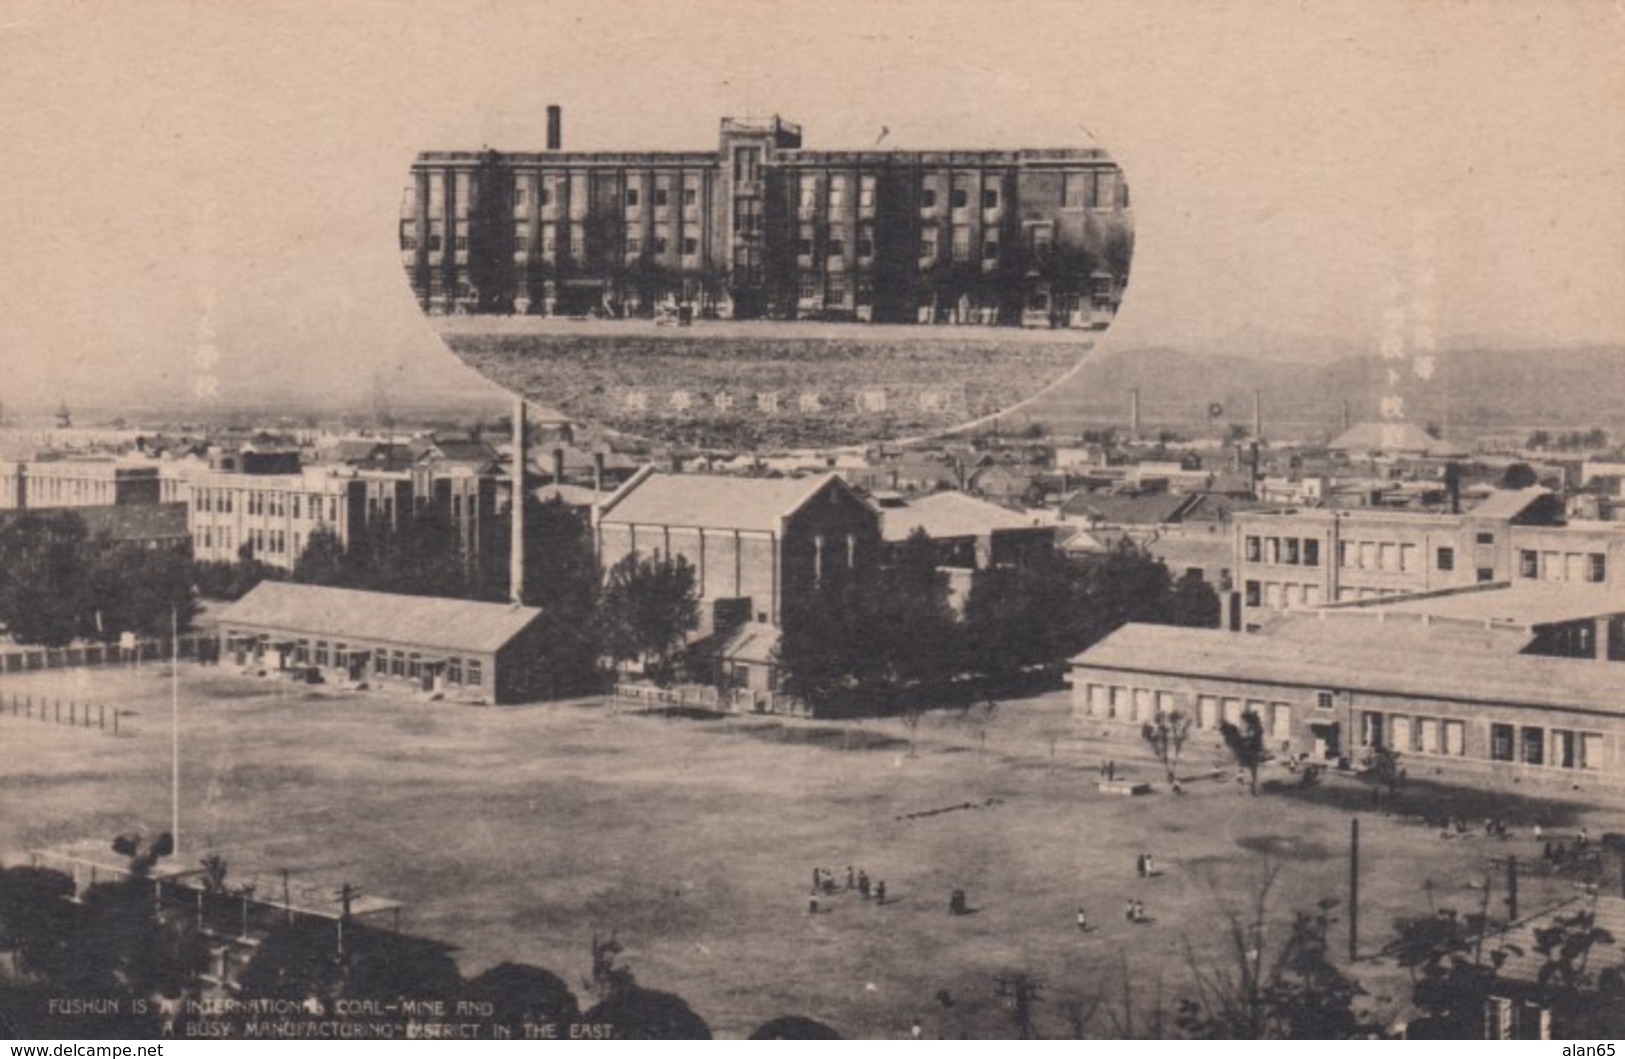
(837, 192)
(866, 244)
(1485, 573)
(804, 246)
(928, 246)
(1253, 548)
(990, 250)
(1528, 563)
(1311, 551)
(928, 198)
(1253, 594)
(691, 245)
(409, 242)
(808, 191)
(1290, 557)
(1502, 742)
(1445, 559)
(691, 196)
(462, 242)
(662, 197)
(990, 198)
(634, 246)
(747, 164)
(961, 243)
(1325, 700)
(472, 674)
(1075, 190)
(454, 670)
(866, 192)
(1485, 538)
(1596, 567)
(810, 286)
(837, 247)
(632, 198)
(544, 197)
(518, 196)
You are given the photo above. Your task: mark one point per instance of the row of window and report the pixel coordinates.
(1413, 735)
(394, 663)
(1138, 705)
(1278, 595)
(272, 503)
(1289, 551)
(1560, 748)
(1099, 189)
(1591, 567)
(661, 197)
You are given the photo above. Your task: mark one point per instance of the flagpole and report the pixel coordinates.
(174, 727)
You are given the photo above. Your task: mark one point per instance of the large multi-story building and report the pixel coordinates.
(764, 227)
(1300, 558)
(86, 481)
(273, 515)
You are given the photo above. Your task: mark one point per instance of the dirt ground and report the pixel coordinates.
(518, 833)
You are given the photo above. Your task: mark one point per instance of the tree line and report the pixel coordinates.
(59, 583)
(886, 639)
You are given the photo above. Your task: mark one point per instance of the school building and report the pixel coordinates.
(1455, 696)
(460, 650)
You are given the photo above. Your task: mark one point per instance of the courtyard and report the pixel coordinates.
(520, 833)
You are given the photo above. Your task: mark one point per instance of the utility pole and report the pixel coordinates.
(1354, 889)
(1022, 991)
(516, 519)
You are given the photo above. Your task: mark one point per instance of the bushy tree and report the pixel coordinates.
(1166, 734)
(648, 606)
(44, 577)
(520, 993)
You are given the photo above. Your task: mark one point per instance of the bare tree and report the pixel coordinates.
(1166, 733)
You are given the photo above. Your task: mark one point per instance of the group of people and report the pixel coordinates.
(1144, 866)
(823, 882)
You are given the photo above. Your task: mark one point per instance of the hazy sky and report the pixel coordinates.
(182, 174)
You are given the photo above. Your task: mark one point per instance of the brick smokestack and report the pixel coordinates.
(1134, 415)
(516, 518)
(555, 127)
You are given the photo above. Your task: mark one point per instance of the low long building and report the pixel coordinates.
(458, 649)
(1457, 697)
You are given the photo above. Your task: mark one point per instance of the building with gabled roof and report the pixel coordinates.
(754, 542)
(455, 648)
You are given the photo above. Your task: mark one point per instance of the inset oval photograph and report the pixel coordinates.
(766, 293)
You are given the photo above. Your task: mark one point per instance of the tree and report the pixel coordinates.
(34, 915)
(649, 605)
(1519, 476)
(1020, 617)
(324, 560)
(1269, 989)
(562, 578)
(1384, 768)
(794, 1028)
(1193, 603)
(520, 993)
(44, 577)
(1166, 734)
(911, 626)
(1246, 744)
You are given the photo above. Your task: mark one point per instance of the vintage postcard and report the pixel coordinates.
(1055, 519)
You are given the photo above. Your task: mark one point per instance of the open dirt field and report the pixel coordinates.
(750, 384)
(518, 833)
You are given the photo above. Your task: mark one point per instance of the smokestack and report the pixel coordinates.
(555, 127)
(1347, 422)
(1134, 415)
(1252, 473)
(558, 465)
(1258, 414)
(516, 520)
(598, 472)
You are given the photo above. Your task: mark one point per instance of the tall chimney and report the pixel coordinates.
(516, 520)
(558, 465)
(1347, 421)
(555, 127)
(598, 471)
(1134, 414)
(1258, 414)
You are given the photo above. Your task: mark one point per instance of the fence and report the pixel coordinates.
(77, 715)
(196, 646)
(704, 697)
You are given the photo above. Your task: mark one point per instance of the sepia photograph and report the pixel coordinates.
(568, 521)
